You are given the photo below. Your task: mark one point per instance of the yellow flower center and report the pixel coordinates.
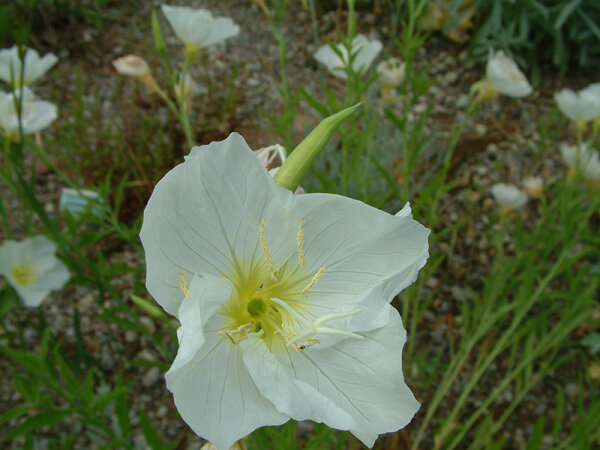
(268, 301)
(24, 274)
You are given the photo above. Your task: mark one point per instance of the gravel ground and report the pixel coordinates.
(498, 147)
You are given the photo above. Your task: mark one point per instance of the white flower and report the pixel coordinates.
(35, 67)
(505, 76)
(534, 187)
(366, 52)
(392, 72)
(32, 268)
(583, 158)
(509, 196)
(283, 299)
(582, 105)
(35, 114)
(197, 28)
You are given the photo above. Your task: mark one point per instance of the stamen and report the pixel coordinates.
(314, 280)
(318, 328)
(263, 243)
(183, 285)
(300, 239)
(233, 334)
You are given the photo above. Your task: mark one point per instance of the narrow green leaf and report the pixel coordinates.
(15, 412)
(159, 40)
(40, 420)
(153, 439)
(565, 13)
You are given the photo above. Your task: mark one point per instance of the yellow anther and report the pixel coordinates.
(314, 280)
(263, 244)
(300, 239)
(183, 285)
(238, 335)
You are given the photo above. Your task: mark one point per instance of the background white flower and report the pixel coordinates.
(505, 75)
(509, 196)
(197, 28)
(32, 268)
(35, 67)
(36, 114)
(283, 299)
(582, 105)
(583, 158)
(366, 50)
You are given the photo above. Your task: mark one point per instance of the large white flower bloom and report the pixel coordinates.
(582, 105)
(509, 196)
(283, 299)
(32, 268)
(35, 114)
(366, 52)
(583, 158)
(35, 67)
(197, 28)
(505, 76)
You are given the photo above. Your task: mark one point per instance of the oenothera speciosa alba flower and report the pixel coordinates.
(364, 51)
(283, 300)
(35, 114)
(32, 268)
(505, 76)
(197, 28)
(509, 196)
(12, 69)
(583, 105)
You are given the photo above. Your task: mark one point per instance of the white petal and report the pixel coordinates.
(204, 216)
(215, 394)
(291, 396)
(207, 294)
(369, 255)
(362, 377)
(330, 59)
(369, 50)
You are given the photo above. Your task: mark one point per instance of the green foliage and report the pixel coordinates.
(30, 18)
(563, 33)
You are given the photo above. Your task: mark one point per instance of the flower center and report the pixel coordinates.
(268, 300)
(24, 274)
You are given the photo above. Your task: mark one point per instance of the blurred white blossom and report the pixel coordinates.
(583, 105)
(509, 196)
(283, 300)
(35, 114)
(32, 268)
(35, 67)
(505, 76)
(366, 51)
(582, 158)
(197, 28)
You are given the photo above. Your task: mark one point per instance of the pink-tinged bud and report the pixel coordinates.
(534, 187)
(132, 66)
